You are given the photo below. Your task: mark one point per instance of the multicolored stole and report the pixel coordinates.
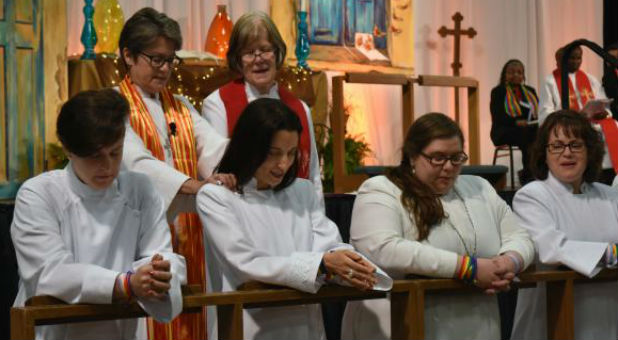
(583, 87)
(187, 232)
(608, 125)
(511, 101)
(235, 100)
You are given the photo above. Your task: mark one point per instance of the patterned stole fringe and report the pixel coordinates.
(511, 103)
(187, 237)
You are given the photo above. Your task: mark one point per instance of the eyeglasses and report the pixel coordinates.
(263, 52)
(558, 148)
(440, 159)
(157, 61)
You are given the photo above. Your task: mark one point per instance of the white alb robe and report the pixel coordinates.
(214, 111)
(136, 157)
(272, 237)
(72, 242)
(549, 102)
(573, 230)
(384, 232)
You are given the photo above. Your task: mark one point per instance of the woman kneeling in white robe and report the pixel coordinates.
(574, 222)
(91, 234)
(273, 229)
(423, 218)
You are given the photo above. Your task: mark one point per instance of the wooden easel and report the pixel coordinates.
(346, 182)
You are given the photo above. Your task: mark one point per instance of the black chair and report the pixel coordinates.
(8, 270)
(506, 151)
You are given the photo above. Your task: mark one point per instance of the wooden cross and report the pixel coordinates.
(457, 32)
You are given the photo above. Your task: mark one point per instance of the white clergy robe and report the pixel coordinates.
(272, 237)
(136, 157)
(214, 111)
(72, 242)
(383, 230)
(573, 230)
(549, 102)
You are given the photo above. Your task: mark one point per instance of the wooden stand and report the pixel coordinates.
(346, 182)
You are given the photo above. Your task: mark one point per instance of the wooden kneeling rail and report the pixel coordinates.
(407, 304)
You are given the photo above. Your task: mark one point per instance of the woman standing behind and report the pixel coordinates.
(273, 228)
(574, 222)
(169, 142)
(514, 111)
(424, 218)
(256, 54)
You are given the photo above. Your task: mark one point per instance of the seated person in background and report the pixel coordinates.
(573, 222)
(424, 218)
(91, 234)
(513, 107)
(273, 228)
(256, 54)
(610, 80)
(583, 87)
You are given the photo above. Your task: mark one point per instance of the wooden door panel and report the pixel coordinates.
(22, 141)
(24, 11)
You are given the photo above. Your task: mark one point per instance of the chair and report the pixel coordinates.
(498, 154)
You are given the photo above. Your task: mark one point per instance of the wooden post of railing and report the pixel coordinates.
(22, 324)
(230, 322)
(408, 314)
(560, 309)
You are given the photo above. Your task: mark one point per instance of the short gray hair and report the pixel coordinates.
(247, 29)
(145, 27)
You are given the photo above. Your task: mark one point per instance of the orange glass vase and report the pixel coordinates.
(217, 40)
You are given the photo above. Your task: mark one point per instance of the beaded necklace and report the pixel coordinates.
(448, 219)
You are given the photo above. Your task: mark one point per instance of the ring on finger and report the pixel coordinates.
(350, 273)
(218, 182)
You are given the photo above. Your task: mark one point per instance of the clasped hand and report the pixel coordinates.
(352, 268)
(495, 274)
(152, 280)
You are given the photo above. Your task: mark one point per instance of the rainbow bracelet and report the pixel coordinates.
(467, 269)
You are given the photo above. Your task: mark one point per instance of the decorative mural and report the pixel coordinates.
(371, 32)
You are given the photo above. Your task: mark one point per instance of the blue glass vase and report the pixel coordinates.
(89, 34)
(302, 41)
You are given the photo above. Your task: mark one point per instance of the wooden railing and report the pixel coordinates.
(407, 304)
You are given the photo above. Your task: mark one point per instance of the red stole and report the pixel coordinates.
(187, 238)
(235, 100)
(608, 125)
(583, 87)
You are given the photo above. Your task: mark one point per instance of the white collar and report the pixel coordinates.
(564, 188)
(253, 93)
(81, 189)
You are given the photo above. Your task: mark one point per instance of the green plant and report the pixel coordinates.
(56, 156)
(355, 150)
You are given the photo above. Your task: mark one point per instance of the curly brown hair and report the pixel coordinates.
(573, 124)
(417, 197)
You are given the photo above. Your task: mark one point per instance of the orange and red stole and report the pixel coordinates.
(235, 100)
(608, 125)
(187, 232)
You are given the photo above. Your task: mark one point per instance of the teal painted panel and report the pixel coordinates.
(23, 82)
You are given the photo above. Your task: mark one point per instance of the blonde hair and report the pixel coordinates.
(247, 29)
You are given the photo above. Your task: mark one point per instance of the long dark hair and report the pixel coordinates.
(417, 197)
(573, 124)
(251, 139)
